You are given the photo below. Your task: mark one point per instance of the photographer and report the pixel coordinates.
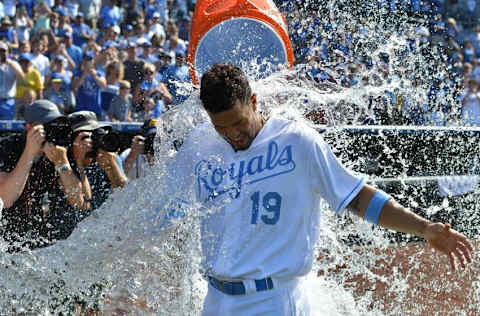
(95, 153)
(10, 71)
(140, 155)
(36, 175)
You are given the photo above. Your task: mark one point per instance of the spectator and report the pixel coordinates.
(468, 52)
(8, 33)
(41, 17)
(148, 111)
(30, 169)
(114, 73)
(176, 75)
(173, 42)
(471, 104)
(90, 9)
(58, 67)
(32, 79)
(147, 53)
(157, 27)
(73, 51)
(39, 60)
(62, 97)
(151, 88)
(63, 22)
(81, 32)
(133, 66)
(29, 97)
(86, 84)
(120, 108)
(110, 14)
(141, 154)
(10, 71)
(133, 13)
(23, 24)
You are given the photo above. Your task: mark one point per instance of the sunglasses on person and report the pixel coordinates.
(149, 72)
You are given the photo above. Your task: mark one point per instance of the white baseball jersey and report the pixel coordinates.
(263, 204)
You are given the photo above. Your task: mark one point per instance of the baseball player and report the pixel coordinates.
(261, 182)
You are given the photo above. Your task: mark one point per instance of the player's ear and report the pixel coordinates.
(253, 101)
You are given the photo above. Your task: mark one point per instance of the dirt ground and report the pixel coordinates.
(433, 288)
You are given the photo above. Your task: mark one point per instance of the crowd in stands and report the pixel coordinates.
(123, 60)
(445, 36)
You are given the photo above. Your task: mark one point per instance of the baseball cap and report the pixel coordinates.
(156, 14)
(131, 44)
(179, 54)
(25, 56)
(79, 14)
(3, 46)
(149, 127)
(56, 77)
(85, 121)
(147, 44)
(43, 111)
(128, 27)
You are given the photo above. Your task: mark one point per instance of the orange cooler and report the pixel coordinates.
(249, 33)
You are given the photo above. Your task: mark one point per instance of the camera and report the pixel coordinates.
(58, 132)
(3, 56)
(105, 139)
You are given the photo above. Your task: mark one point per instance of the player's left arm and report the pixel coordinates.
(375, 206)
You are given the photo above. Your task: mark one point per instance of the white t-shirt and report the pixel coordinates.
(263, 204)
(1, 204)
(42, 64)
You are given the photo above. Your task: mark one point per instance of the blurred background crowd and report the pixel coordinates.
(430, 77)
(125, 60)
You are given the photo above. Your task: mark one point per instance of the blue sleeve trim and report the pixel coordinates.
(375, 206)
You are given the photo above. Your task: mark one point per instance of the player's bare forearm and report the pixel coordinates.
(393, 215)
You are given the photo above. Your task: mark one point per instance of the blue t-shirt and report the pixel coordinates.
(88, 95)
(76, 54)
(111, 16)
(78, 40)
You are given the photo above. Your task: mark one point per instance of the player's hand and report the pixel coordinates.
(447, 240)
(106, 159)
(35, 141)
(56, 154)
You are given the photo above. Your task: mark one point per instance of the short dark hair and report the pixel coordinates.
(222, 85)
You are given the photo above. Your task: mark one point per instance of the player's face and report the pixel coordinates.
(239, 125)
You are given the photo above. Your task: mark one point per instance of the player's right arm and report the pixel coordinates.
(13, 183)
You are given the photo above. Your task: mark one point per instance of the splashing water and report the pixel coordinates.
(125, 256)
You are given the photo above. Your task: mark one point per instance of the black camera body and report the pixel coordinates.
(58, 132)
(3, 57)
(105, 139)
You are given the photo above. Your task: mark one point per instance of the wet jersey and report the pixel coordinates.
(262, 204)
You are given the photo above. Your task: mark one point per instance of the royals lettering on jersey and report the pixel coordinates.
(215, 178)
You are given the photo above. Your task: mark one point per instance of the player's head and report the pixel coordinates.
(228, 99)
